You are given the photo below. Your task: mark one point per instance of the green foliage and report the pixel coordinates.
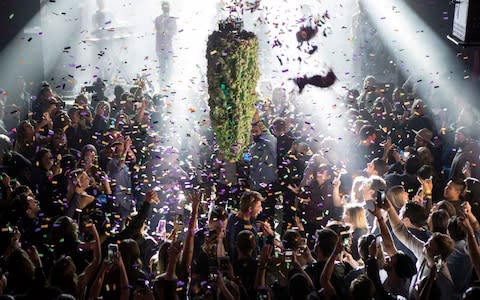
(232, 78)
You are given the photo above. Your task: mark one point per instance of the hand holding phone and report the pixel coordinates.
(224, 264)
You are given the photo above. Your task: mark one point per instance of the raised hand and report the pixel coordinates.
(427, 186)
(336, 182)
(128, 143)
(195, 197)
(265, 254)
(465, 225)
(388, 144)
(267, 229)
(34, 256)
(294, 188)
(467, 208)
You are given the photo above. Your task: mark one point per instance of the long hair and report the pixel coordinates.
(394, 195)
(357, 216)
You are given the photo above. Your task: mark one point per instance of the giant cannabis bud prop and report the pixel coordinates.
(232, 78)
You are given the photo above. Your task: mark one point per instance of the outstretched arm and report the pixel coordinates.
(138, 220)
(325, 278)
(262, 266)
(92, 267)
(384, 231)
(195, 198)
(402, 233)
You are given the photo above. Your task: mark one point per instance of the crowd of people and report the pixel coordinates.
(96, 203)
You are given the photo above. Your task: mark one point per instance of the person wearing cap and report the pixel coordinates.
(466, 162)
(423, 138)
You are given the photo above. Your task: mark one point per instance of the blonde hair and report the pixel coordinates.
(356, 195)
(394, 195)
(357, 216)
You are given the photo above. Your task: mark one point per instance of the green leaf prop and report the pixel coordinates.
(232, 78)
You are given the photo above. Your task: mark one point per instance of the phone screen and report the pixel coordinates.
(288, 256)
(112, 251)
(380, 198)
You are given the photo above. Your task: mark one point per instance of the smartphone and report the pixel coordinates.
(223, 263)
(162, 229)
(112, 252)
(438, 263)
(380, 198)
(212, 274)
(466, 167)
(288, 255)
(345, 240)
